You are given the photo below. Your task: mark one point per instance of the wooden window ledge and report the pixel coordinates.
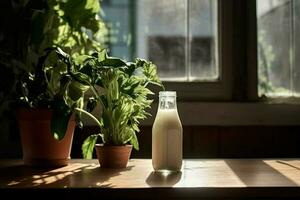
(201, 178)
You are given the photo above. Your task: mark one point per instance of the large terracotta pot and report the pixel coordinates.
(113, 156)
(38, 144)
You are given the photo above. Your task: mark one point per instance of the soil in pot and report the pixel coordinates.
(38, 144)
(113, 156)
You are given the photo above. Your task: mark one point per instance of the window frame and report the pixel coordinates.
(239, 103)
(221, 89)
(233, 100)
(237, 43)
(237, 59)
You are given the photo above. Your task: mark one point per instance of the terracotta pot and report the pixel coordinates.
(113, 156)
(38, 144)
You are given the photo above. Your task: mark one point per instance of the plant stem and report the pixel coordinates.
(90, 115)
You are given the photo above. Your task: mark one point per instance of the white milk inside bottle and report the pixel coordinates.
(167, 134)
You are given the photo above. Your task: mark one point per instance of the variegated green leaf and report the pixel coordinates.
(88, 146)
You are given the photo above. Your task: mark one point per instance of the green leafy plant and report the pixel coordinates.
(57, 84)
(123, 98)
(33, 64)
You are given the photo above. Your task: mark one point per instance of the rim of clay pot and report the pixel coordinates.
(113, 146)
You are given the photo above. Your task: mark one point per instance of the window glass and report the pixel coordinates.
(179, 36)
(278, 47)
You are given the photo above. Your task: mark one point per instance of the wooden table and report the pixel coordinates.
(199, 179)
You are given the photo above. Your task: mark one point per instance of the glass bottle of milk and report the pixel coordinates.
(167, 134)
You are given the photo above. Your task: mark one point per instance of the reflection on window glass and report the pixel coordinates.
(179, 36)
(278, 67)
(203, 39)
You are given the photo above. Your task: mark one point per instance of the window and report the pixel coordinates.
(212, 50)
(278, 48)
(225, 59)
(180, 36)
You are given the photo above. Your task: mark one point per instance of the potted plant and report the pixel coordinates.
(46, 117)
(123, 98)
(48, 81)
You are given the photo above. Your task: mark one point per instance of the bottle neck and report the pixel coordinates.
(167, 102)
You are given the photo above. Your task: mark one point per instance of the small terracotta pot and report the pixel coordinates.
(113, 156)
(38, 144)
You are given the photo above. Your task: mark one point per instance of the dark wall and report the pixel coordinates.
(10, 146)
(198, 142)
(220, 142)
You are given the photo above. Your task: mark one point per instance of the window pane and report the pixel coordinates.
(277, 46)
(203, 39)
(179, 36)
(118, 15)
(161, 35)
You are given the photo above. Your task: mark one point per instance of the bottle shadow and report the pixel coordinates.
(163, 178)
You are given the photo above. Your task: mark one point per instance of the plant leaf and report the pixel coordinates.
(134, 141)
(82, 78)
(88, 146)
(59, 121)
(76, 90)
(113, 62)
(78, 12)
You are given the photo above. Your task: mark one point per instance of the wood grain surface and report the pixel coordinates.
(198, 178)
